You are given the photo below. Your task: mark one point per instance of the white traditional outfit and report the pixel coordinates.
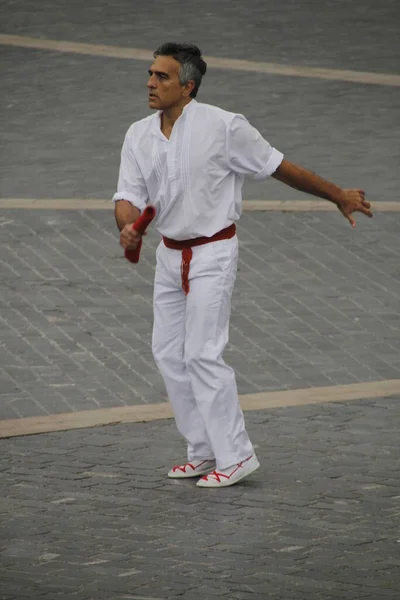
(194, 180)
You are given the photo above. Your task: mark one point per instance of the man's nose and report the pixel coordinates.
(151, 82)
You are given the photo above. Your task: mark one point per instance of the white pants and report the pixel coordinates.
(189, 337)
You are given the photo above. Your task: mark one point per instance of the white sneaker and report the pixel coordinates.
(196, 468)
(231, 475)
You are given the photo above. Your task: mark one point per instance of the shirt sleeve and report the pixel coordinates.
(248, 152)
(131, 184)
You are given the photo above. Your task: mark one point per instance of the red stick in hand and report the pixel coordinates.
(140, 225)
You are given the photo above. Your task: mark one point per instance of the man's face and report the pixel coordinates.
(164, 86)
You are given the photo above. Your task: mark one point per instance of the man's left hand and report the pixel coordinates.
(351, 201)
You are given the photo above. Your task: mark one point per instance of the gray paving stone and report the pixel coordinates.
(318, 520)
(280, 338)
(91, 120)
(90, 514)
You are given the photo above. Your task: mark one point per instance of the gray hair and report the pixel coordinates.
(189, 72)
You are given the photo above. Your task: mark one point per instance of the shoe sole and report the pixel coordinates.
(227, 483)
(184, 476)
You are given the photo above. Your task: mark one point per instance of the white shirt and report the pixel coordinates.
(194, 179)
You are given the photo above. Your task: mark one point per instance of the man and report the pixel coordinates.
(189, 161)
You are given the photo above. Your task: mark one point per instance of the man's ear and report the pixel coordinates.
(189, 87)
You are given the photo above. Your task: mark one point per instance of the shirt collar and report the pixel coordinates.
(156, 129)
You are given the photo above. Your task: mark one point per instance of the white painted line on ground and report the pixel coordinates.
(248, 205)
(57, 204)
(230, 64)
(309, 205)
(152, 412)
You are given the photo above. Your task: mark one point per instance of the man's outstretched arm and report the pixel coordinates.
(347, 201)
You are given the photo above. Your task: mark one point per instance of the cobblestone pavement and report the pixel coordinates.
(362, 36)
(64, 116)
(316, 304)
(91, 514)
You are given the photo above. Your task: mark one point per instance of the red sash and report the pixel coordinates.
(187, 253)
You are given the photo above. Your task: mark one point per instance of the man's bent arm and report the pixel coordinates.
(347, 201)
(125, 213)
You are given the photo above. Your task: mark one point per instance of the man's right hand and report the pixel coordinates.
(129, 237)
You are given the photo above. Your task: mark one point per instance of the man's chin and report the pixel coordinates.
(153, 103)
